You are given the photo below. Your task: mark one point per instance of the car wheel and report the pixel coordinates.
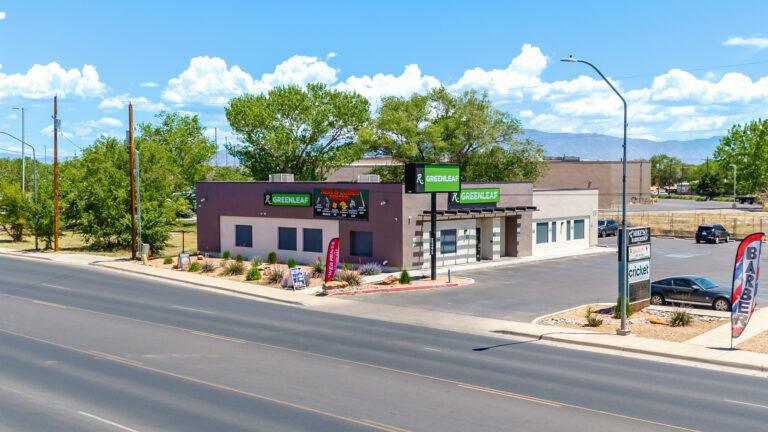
(698, 241)
(721, 304)
(657, 300)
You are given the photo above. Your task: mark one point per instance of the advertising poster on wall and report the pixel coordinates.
(341, 203)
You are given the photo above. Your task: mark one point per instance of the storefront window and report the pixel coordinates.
(448, 241)
(361, 243)
(578, 229)
(243, 236)
(568, 230)
(313, 240)
(286, 238)
(542, 232)
(554, 232)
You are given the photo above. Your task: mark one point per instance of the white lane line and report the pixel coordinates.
(431, 349)
(194, 310)
(56, 286)
(111, 423)
(746, 403)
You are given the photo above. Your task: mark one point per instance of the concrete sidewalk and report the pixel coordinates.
(702, 352)
(719, 338)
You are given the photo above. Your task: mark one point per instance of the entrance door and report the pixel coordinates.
(478, 243)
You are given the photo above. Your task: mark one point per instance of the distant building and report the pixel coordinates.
(363, 166)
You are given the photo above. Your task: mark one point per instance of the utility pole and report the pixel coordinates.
(131, 162)
(138, 196)
(55, 173)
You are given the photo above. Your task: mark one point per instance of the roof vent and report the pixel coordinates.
(281, 178)
(368, 178)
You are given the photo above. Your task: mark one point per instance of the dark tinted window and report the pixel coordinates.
(683, 283)
(361, 243)
(578, 229)
(542, 232)
(313, 240)
(665, 282)
(286, 238)
(448, 241)
(243, 236)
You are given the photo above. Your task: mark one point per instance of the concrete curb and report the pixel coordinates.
(100, 264)
(403, 289)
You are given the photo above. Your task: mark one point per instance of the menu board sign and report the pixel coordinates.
(341, 203)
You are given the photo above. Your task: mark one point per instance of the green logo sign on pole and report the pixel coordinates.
(479, 196)
(282, 199)
(428, 178)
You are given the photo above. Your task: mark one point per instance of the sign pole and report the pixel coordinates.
(433, 237)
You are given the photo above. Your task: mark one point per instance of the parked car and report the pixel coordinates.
(607, 228)
(694, 290)
(712, 234)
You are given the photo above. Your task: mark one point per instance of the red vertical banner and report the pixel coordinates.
(746, 272)
(332, 259)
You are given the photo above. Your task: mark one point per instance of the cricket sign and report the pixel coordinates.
(332, 259)
(427, 178)
(638, 272)
(282, 199)
(746, 271)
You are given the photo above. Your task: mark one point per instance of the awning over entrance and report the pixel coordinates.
(480, 212)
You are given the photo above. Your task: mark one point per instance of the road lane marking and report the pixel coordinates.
(44, 303)
(115, 358)
(325, 356)
(198, 381)
(215, 336)
(56, 286)
(193, 309)
(109, 422)
(511, 395)
(746, 403)
(383, 426)
(432, 349)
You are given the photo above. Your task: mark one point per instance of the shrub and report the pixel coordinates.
(405, 277)
(351, 277)
(239, 258)
(318, 269)
(253, 274)
(226, 255)
(233, 269)
(680, 318)
(345, 266)
(194, 266)
(592, 321)
(291, 263)
(168, 260)
(369, 269)
(207, 267)
(617, 309)
(256, 261)
(276, 276)
(272, 257)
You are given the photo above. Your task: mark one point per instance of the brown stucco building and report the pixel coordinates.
(605, 176)
(373, 221)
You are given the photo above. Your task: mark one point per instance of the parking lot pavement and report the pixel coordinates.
(524, 292)
(684, 205)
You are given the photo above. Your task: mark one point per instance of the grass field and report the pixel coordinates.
(684, 223)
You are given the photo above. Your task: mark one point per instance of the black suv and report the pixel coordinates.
(607, 228)
(712, 234)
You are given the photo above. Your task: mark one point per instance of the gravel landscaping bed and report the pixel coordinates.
(757, 343)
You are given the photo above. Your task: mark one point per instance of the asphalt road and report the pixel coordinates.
(84, 349)
(524, 292)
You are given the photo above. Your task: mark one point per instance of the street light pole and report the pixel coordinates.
(623, 286)
(34, 180)
(23, 156)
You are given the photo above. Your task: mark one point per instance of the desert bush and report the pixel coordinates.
(405, 277)
(272, 257)
(226, 255)
(207, 267)
(617, 309)
(351, 277)
(680, 318)
(253, 274)
(318, 269)
(369, 269)
(168, 260)
(592, 321)
(291, 263)
(239, 258)
(233, 269)
(256, 261)
(194, 266)
(276, 276)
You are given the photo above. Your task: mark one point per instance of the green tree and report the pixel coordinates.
(465, 129)
(308, 132)
(228, 173)
(15, 210)
(710, 185)
(746, 146)
(666, 170)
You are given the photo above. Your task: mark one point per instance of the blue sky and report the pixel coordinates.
(192, 56)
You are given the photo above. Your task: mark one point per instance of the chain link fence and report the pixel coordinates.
(684, 224)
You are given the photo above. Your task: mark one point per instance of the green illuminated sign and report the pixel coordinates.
(479, 196)
(288, 199)
(442, 178)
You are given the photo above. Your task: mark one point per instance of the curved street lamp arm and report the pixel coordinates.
(606, 80)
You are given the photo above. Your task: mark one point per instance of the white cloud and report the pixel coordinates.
(330, 55)
(43, 81)
(12, 116)
(380, 85)
(140, 103)
(756, 42)
(148, 84)
(103, 123)
(525, 114)
(2, 15)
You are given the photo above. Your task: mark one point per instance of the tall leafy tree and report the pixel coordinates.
(465, 129)
(15, 210)
(665, 169)
(305, 131)
(746, 146)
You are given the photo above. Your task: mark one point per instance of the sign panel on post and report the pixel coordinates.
(283, 199)
(638, 271)
(332, 259)
(427, 178)
(297, 277)
(639, 252)
(746, 271)
(341, 203)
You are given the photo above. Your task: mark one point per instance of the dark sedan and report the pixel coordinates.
(693, 290)
(607, 228)
(712, 234)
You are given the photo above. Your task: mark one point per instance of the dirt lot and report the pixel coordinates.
(683, 223)
(758, 343)
(639, 323)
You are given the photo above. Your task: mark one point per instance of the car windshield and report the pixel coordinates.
(705, 283)
(705, 229)
(601, 223)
